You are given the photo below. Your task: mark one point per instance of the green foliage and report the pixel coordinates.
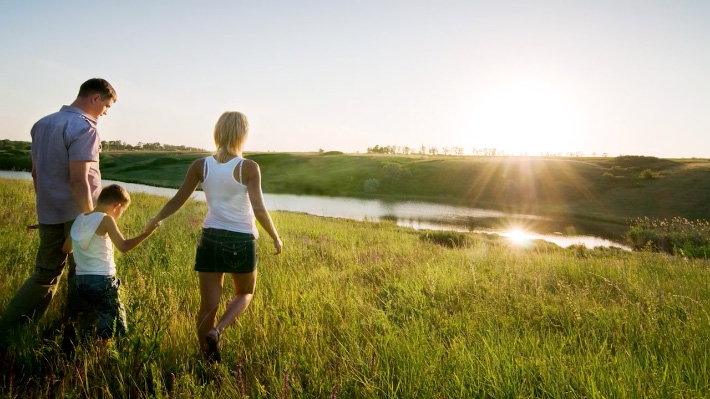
(371, 185)
(675, 236)
(15, 160)
(647, 174)
(12, 145)
(118, 145)
(370, 310)
(394, 172)
(451, 239)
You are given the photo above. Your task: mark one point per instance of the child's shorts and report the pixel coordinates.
(223, 251)
(99, 294)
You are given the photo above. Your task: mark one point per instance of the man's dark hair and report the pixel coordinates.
(97, 86)
(114, 194)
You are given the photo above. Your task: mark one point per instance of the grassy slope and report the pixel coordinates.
(600, 188)
(367, 310)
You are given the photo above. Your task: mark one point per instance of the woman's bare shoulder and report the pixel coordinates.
(250, 165)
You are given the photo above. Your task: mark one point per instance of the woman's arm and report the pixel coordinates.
(192, 179)
(108, 224)
(252, 175)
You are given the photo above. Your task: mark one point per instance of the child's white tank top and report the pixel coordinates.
(93, 254)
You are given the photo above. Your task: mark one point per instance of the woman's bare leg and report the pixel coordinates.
(244, 284)
(210, 293)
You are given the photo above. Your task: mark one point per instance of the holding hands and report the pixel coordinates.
(151, 226)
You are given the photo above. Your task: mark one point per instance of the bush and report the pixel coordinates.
(394, 172)
(647, 174)
(451, 239)
(371, 185)
(678, 236)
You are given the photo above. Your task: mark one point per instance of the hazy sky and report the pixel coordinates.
(621, 77)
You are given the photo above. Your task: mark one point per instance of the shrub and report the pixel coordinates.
(647, 174)
(451, 239)
(676, 236)
(393, 172)
(371, 185)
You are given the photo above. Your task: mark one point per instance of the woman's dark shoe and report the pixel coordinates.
(212, 339)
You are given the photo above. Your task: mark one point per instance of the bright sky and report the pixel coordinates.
(621, 77)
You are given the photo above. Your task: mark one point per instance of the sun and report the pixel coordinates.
(524, 116)
(517, 236)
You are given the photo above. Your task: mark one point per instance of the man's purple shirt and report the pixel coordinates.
(57, 139)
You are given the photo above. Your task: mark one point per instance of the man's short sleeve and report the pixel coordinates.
(85, 146)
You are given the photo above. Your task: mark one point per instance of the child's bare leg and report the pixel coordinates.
(210, 293)
(244, 284)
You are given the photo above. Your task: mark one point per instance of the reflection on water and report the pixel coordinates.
(422, 215)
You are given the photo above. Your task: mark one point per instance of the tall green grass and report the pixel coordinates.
(358, 310)
(678, 236)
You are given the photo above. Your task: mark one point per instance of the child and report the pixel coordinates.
(91, 236)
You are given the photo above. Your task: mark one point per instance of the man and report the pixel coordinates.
(67, 181)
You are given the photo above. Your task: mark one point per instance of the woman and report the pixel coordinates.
(232, 186)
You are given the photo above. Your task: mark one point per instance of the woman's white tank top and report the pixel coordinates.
(228, 205)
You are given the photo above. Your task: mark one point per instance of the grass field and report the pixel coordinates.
(360, 310)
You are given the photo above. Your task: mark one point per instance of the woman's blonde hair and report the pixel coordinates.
(230, 133)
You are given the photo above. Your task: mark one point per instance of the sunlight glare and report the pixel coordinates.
(524, 116)
(518, 236)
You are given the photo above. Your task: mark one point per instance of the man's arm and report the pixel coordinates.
(34, 175)
(79, 183)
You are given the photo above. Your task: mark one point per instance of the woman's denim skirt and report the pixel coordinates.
(223, 251)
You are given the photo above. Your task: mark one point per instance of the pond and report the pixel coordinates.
(423, 215)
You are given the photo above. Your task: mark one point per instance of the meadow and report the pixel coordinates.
(362, 310)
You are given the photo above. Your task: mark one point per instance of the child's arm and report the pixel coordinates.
(124, 245)
(66, 248)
